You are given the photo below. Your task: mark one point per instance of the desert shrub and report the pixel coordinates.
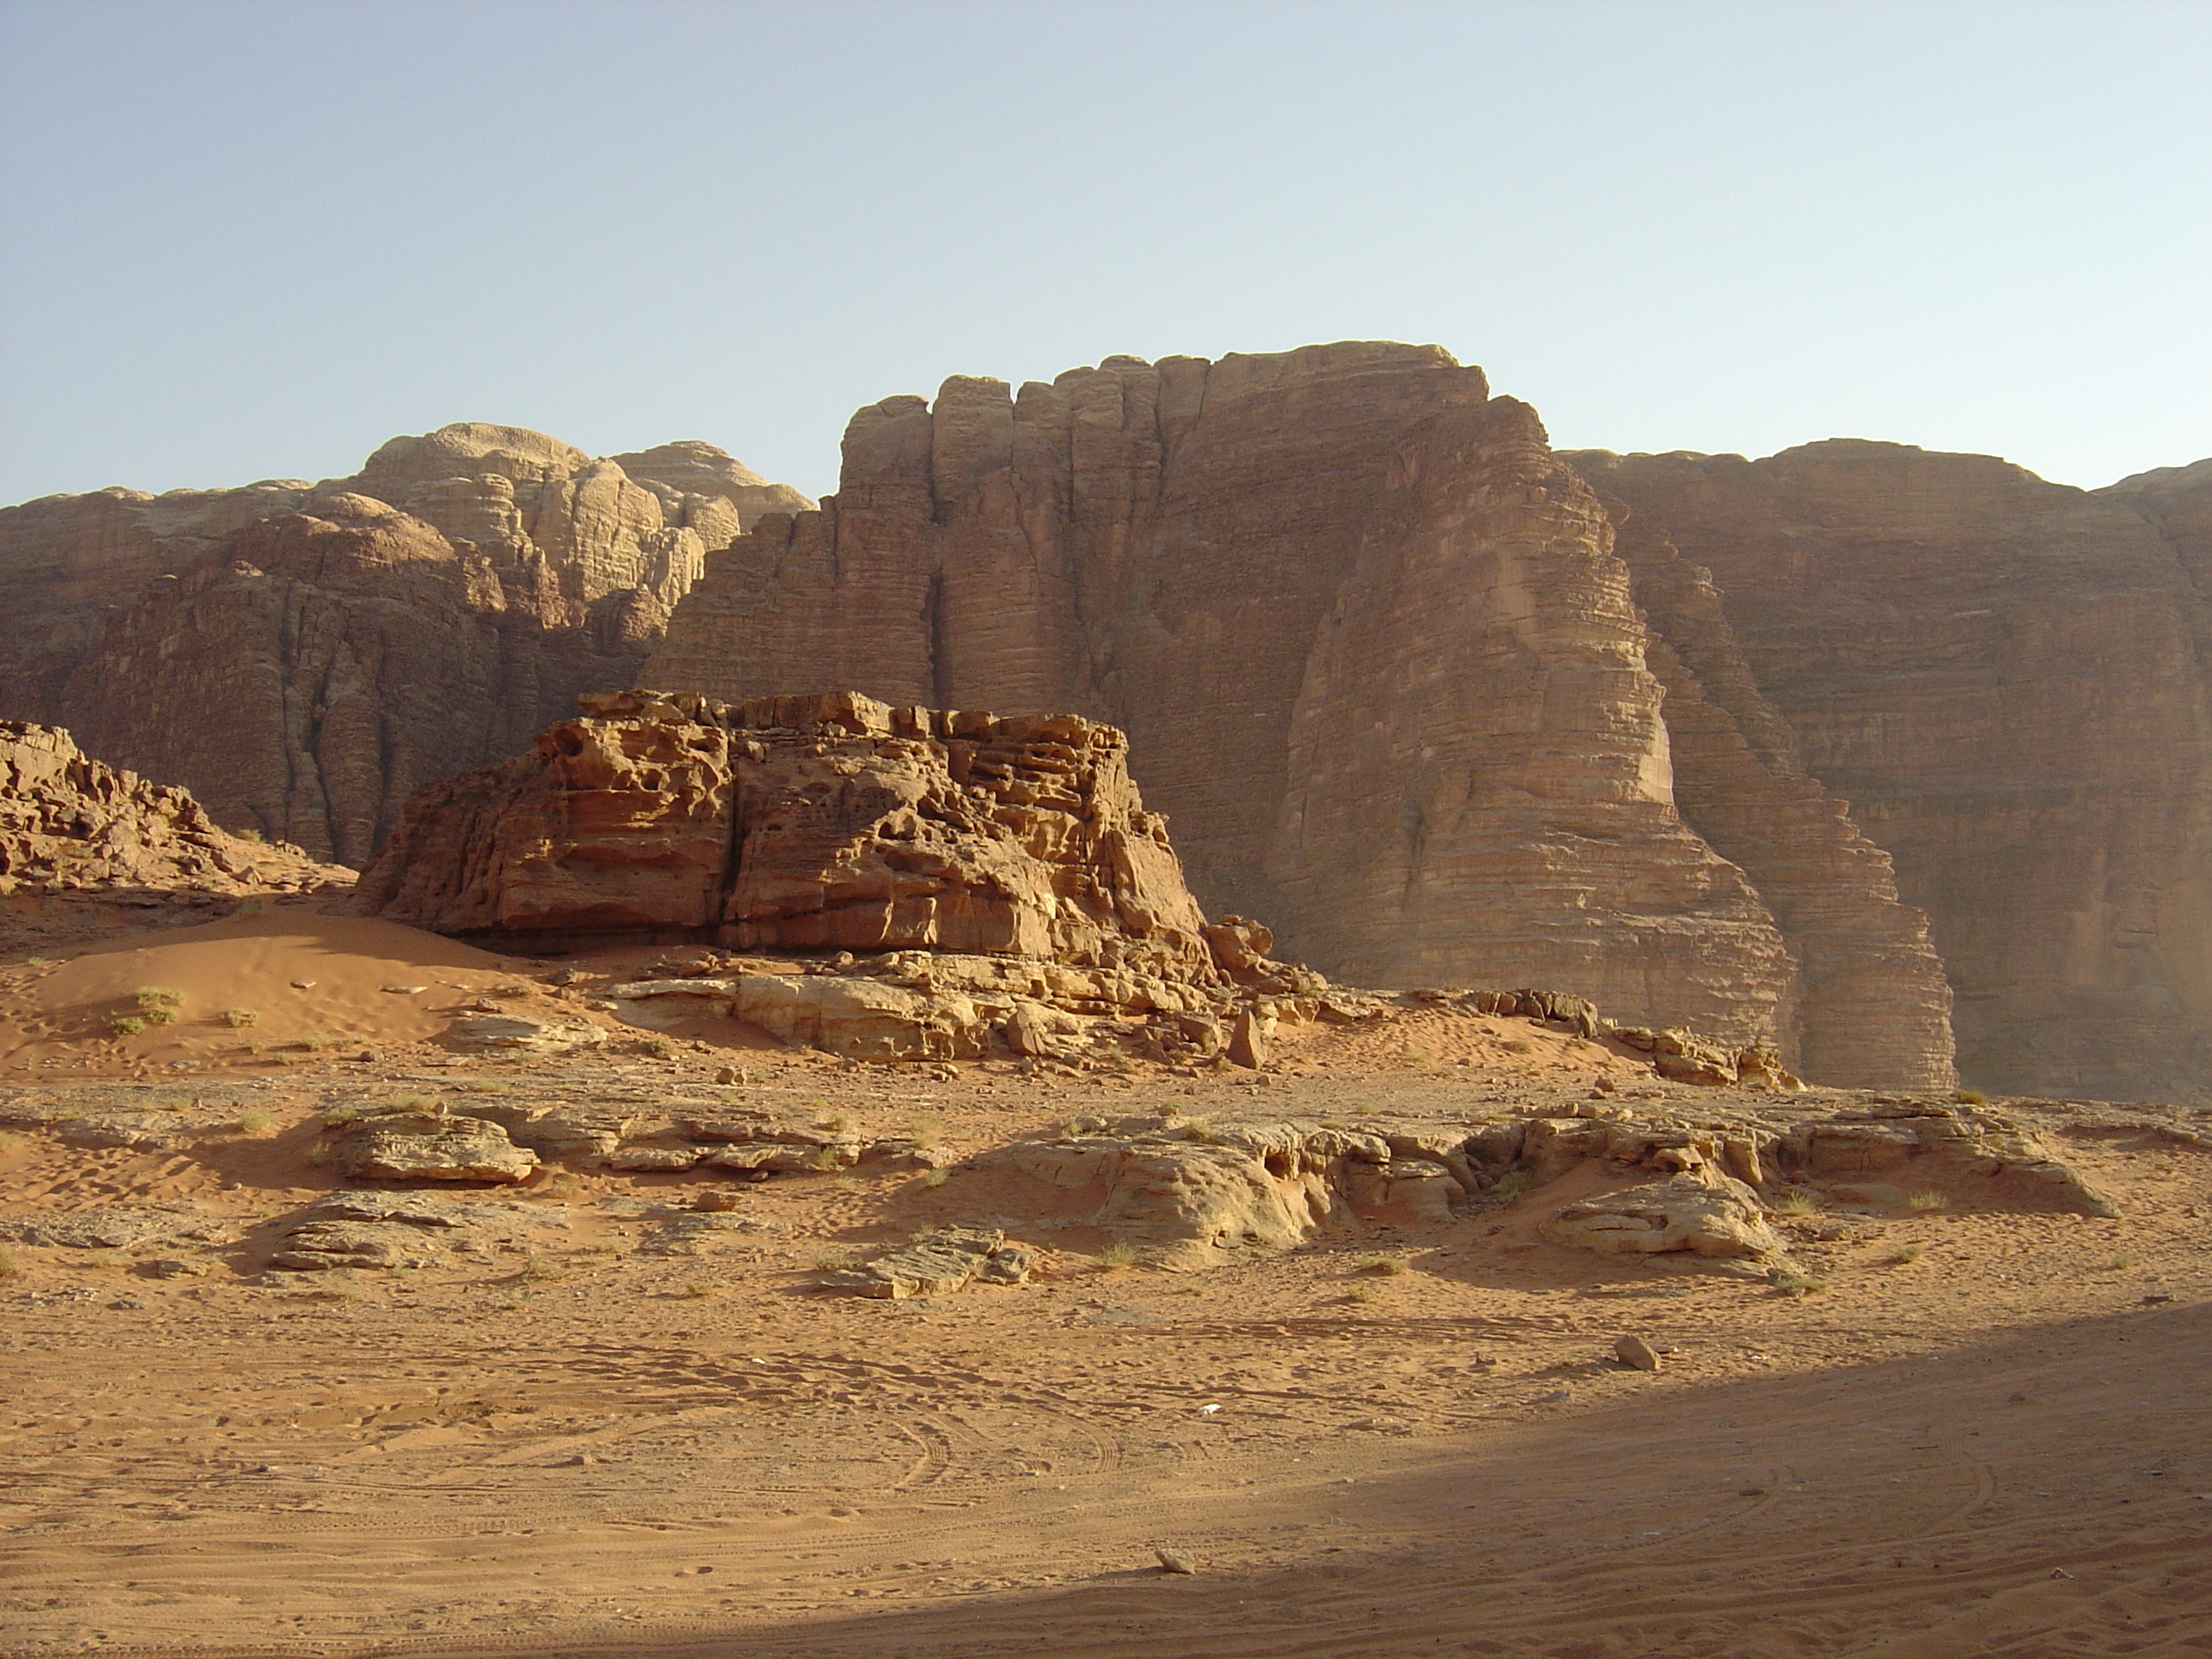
(239, 1018)
(251, 1123)
(934, 1177)
(249, 835)
(1970, 1097)
(830, 1259)
(1360, 1293)
(1201, 1130)
(1510, 1186)
(698, 1290)
(1120, 1254)
(318, 1154)
(927, 1129)
(104, 1259)
(315, 1041)
(339, 1117)
(1928, 1201)
(150, 997)
(1799, 1284)
(1382, 1265)
(124, 1025)
(1907, 1253)
(1520, 1046)
(8, 1267)
(411, 1103)
(1799, 1202)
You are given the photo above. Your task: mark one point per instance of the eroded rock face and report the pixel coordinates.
(69, 823)
(2007, 680)
(818, 825)
(304, 656)
(1375, 654)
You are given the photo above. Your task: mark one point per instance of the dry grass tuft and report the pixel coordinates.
(1925, 1202)
(1387, 1265)
(1120, 1254)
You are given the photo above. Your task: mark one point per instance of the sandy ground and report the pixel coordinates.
(578, 1438)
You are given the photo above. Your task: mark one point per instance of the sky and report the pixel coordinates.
(242, 241)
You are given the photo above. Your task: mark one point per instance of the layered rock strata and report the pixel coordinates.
(2008, 679)
(1376, 656)
(822, 824)
(304, 656)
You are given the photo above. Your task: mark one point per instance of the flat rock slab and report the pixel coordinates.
(1706, 1214)
(422, 1146)
(110, 1229)
(948, 1260)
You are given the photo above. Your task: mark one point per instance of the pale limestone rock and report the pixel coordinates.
(1707, 1215)
(946, 1261)
(430, 1146)
(522, 1034)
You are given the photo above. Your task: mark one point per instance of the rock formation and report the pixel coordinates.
(1001, 873)
(70, 824)
(1377, 661)
(2007, 679)
(305, 656)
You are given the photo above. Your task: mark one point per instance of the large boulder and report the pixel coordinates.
(1706, 1214)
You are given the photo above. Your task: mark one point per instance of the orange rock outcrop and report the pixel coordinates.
(806, 824)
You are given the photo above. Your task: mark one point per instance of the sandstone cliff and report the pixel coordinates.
(305, 656)
(1377, 661)
(2007, 679)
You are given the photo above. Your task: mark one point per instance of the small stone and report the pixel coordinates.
(1175, 1560)
(1633, 1351)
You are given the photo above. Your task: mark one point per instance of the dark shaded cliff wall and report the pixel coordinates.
(2006, 678)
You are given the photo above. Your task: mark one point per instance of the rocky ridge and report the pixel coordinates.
(71, 825)
(304, 656)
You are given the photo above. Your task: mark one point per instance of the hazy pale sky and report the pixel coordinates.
(241, 240)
